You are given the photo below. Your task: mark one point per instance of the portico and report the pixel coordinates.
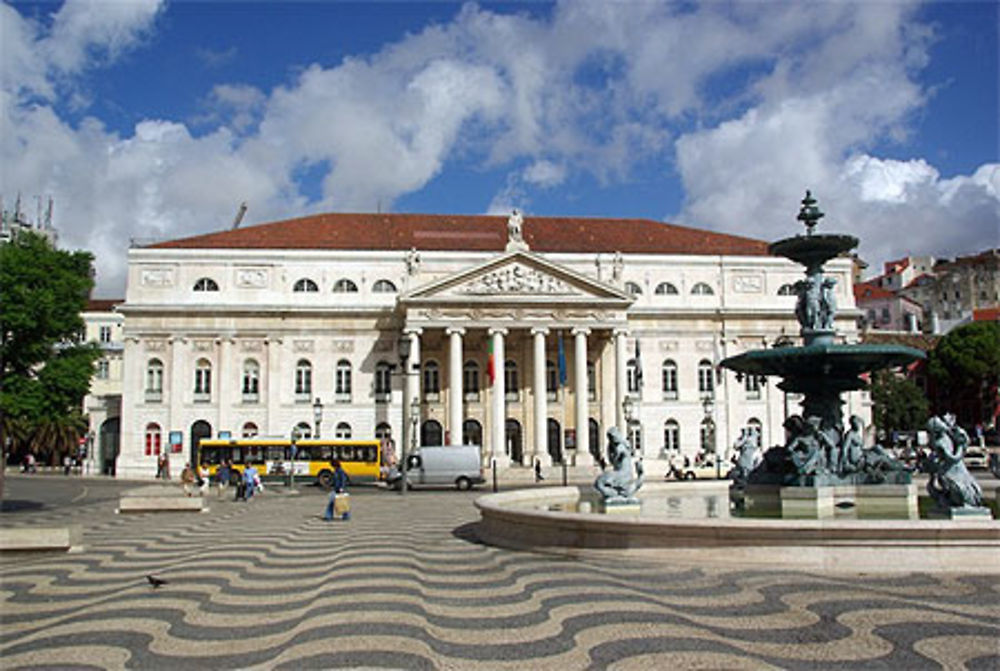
(519, 317)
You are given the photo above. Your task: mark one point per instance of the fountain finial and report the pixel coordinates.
(809, 214)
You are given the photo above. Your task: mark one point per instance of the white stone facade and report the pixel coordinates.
(202, 324)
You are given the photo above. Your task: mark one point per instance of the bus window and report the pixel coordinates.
(275, 453)
(367, 453)
(253, 454)
(303, 452)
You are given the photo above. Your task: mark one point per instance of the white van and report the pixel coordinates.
(458, 465)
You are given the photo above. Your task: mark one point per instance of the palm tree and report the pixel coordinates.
(58, 435)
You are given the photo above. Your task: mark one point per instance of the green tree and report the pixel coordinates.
(966, 364)
(899, 404)
(46, 370)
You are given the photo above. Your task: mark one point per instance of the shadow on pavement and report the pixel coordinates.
(15, 506)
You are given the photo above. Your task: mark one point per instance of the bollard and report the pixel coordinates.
(564, 471)
(493, 467)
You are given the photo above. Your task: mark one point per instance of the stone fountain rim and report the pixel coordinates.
(890, 546)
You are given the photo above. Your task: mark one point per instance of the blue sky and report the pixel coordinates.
(154, 120)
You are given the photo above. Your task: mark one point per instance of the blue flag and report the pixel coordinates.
(562, 362)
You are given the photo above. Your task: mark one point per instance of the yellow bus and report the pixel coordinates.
(272, 458)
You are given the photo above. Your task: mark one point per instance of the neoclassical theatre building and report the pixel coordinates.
(528, 336)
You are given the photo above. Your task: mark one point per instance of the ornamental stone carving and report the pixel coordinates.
(158, 277)
(748, 284)
(302, 346)
(155, 345)
(202, 345)
(253, 278)
(516, 279)
(343, 346)
(252, 345)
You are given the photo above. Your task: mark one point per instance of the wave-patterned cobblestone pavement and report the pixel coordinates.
(404, 584)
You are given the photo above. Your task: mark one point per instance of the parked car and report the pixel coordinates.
(458, 465)
(975, 458)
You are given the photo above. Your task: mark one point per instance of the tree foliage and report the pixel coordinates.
(46, 370)
(967, 357)
(899, 404)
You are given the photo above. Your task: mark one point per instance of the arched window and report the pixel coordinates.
(510, 382)
(154, 381)
(707, 436)
(431, 433)
(470, 381)
(472, 432)
(786, 290)
(671, 436)
(343, 431)
(432, 380)
(202, 381)
(669, 374)
(702, 289)
(305, 285)
(665, 289)
(251, 381)
(383, 382)
(383, 431)
(345, 286)
(633, 376)
(342, 383)
(250, 430)
(706, 378)
(633, 289)
(154, 437)
(635, 437)
(751, 383)
(303, 381)
(384, 287)
(206, 284)
(303, 430)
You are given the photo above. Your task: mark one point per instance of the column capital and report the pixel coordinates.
(455, 330)
(497, 330)
(620, 332)
(412, 330)
(580, 330)
(540, 330)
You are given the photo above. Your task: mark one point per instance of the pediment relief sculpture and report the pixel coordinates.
(516, 279)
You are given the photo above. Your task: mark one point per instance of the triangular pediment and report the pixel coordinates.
(518, 277)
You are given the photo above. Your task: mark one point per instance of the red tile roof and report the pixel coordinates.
(472, 233)
(866, 291)
(986, 315)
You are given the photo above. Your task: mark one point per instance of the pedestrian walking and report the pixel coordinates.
(538, 470)
(251, 480)
(187, 478)
(222, 476)
(339, 503)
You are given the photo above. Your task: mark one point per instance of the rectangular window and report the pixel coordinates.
(102, 369)
(105, 334)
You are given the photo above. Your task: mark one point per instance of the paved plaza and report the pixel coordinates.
(405, 584)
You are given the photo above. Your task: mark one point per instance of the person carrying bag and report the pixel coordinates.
(340, 501)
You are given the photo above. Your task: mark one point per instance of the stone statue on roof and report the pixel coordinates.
(515, 233)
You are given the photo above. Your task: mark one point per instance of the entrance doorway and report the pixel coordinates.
(555, 441)
(108, 445)
(199, 430)
(513, 439)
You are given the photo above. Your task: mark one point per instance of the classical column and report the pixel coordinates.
(179, 377)
(583, 456)
(455, 384)
(498, 419)
(621, 368)
(412, 390)
(271, 395)
(540, 390)
(228, 377)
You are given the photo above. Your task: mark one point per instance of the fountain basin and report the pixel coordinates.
(521, 519)
(836, 368)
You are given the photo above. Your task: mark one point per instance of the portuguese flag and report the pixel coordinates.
(491, 371)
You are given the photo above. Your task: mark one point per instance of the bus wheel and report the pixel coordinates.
(690, 475)
(325, 479)
(463, 484)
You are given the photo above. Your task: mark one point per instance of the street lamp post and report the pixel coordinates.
(317, 416)
(291, 462)
(403, 347)
(628, 409)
